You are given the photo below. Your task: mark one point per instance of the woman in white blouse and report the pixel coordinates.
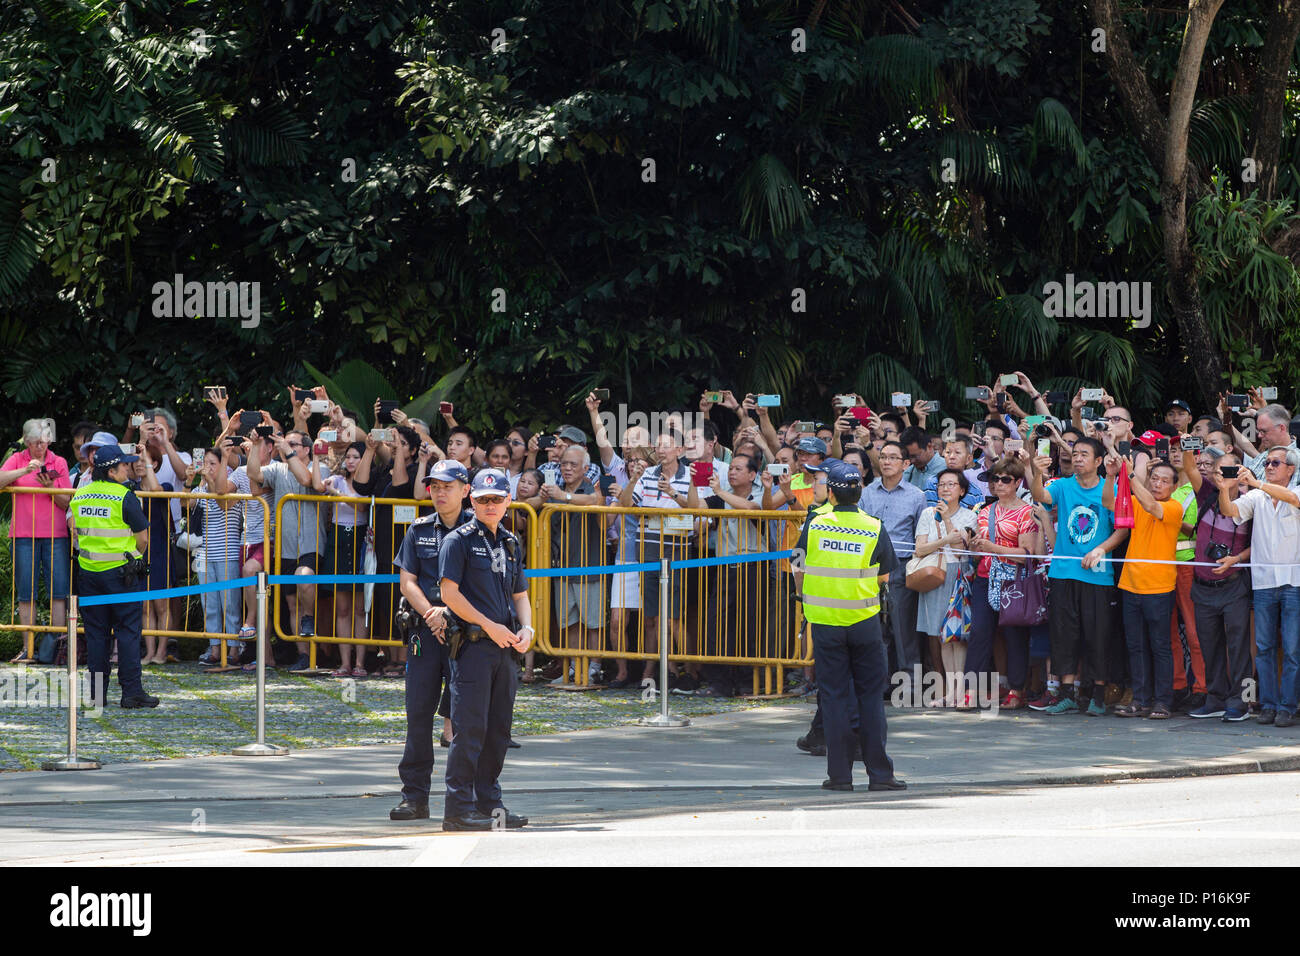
(946, 527)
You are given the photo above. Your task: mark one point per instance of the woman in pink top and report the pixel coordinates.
(39, 530)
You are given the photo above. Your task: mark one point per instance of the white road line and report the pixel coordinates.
(447, 850)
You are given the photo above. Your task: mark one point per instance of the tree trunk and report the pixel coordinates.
(1270, 93)
(1165, 142)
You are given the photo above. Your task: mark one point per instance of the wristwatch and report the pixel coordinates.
(568, 496)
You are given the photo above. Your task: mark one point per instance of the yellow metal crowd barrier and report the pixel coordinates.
(734, 614)
(353, 616)
(742, 614)
(169, 568)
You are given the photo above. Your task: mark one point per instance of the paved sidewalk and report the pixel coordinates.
(748, 749)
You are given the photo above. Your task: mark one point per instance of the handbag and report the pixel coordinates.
(1123, 498)
(1016, 592)
(956, 620)
(927, 573)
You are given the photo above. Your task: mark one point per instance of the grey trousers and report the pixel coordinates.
(901, 608)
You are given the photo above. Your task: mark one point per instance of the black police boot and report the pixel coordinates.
(810, 744)
(139, 700)
(409, 810)
(893, 783)
(831, 785)
(470, 821)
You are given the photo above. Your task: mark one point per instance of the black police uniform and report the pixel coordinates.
(489, 570)
(426, 656)
(120, 623)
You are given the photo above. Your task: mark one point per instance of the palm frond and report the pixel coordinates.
(425, 406)
(1053, 124)
(904, 69)
(770, 196)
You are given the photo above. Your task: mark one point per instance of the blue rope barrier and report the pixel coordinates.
(333, 578)
(602, 569)
(737, 559)
(94, 600)
(595, 569)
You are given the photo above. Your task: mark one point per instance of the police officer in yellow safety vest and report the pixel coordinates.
(842, 554)
(112, 530)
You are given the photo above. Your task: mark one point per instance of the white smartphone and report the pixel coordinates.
(902, 400)
(778, 469)
(329, 435)
(846, 401)
(1013, 444)
(1092, 394)
(318, 406)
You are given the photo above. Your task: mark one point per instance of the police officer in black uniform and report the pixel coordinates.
(482, 577)
(112, 531)
(423, 619)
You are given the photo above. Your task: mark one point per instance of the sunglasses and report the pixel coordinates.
(999, 479)
(1117, 418)
(1275, 463)
(490, 500)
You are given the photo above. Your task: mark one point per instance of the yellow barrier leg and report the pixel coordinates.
(780, 678)
(756, 680)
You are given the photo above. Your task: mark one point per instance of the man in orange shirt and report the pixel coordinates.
(1147, 588)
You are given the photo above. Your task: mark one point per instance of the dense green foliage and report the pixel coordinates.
(423, 185)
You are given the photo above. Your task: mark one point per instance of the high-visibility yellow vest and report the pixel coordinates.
(1186, 548)
(104, 540)
(840, 586)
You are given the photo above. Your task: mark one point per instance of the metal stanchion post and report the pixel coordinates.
(72, 761)
(259, 747)
(663, 718)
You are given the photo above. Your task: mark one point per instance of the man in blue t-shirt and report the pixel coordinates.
(1083, 603)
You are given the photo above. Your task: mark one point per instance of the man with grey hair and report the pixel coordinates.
(578, 541)
(1271, 429)
(1274, 574)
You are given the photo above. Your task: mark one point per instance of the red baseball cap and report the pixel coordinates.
(1149, 438)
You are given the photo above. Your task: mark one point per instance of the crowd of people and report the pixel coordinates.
(1092, 563)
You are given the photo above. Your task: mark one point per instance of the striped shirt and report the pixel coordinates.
(648, 495)
(220, 528)
(254, 516)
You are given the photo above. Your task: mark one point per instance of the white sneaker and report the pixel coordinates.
(560, 680)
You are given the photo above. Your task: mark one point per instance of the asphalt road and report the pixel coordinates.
(1221, 821)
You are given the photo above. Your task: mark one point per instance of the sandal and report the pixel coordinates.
(251, 665)
(341, 672)
(358, 672)
(209, 659)
(1012, 701)
(394, 670)
(247, 633)
(22, 658)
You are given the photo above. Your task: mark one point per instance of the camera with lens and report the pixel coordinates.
(1216, 551)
